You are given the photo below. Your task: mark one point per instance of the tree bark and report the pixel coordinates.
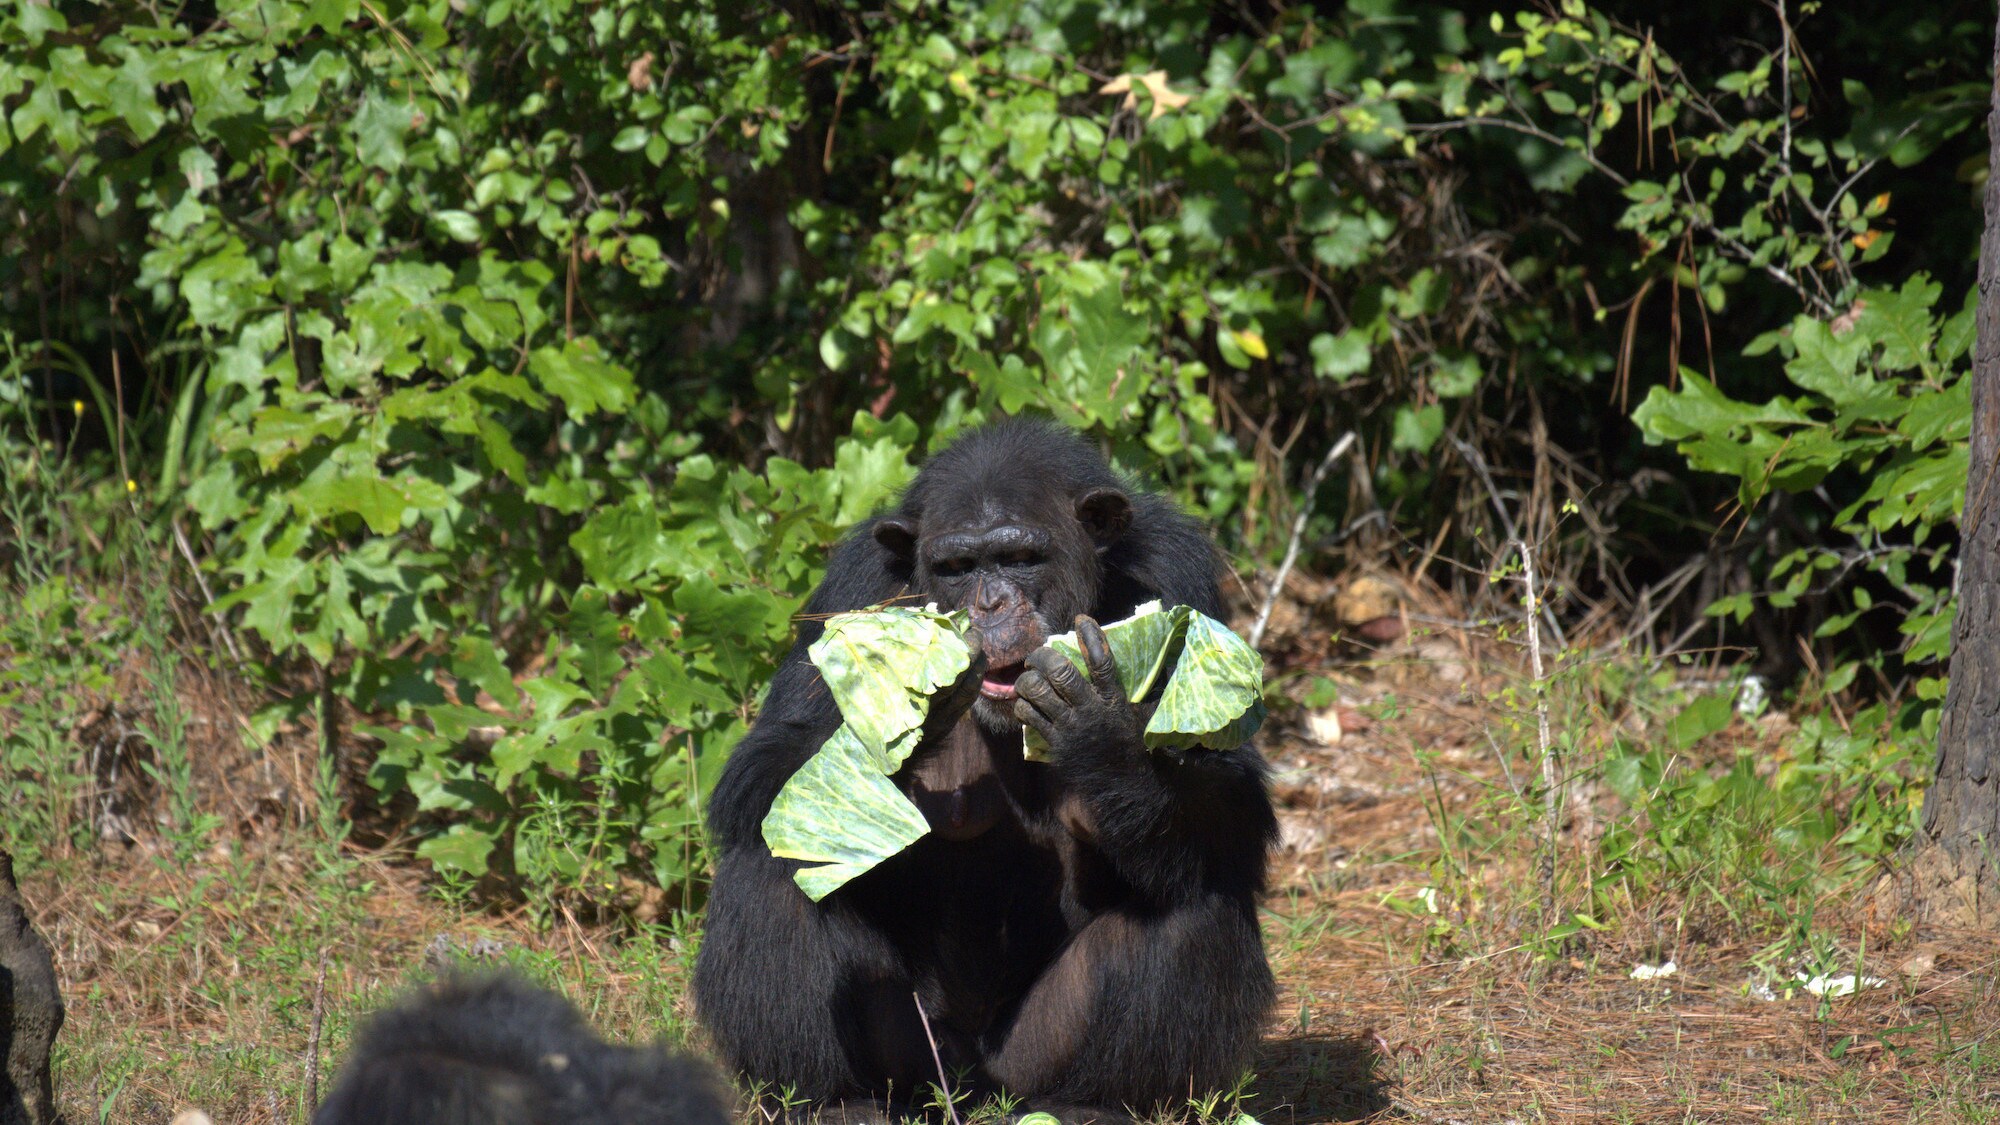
(1955, 865)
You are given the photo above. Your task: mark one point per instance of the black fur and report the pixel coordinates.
(497, 1051)
(31, 1011)
(1097, 945)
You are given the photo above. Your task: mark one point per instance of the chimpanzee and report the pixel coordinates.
(1079, 933)
(31, 1011)
(497, 1051)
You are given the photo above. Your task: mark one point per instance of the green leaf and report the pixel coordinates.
(366, 494)
(1700, 409)
(1213, 696)
(582, 378)
(131, 92)
(378, 129)
(1705, 715)
(1339, 357)
(841, 812)
(1455, 378)
(460, 225)
(1826, 364)
(1416, 429)
(1106, 335)
(1140, 645)
(1900, 320)
(329, 15)
(882, 666)
(462, 847)
(477, 663)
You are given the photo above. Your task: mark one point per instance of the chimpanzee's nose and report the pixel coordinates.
(988, 596)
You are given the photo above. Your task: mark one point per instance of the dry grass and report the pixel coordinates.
(200, 984)
(1384, 1019)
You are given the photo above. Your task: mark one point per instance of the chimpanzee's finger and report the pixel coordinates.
(1034, 688)
(1029, 716)
(1061, 675)
(1097, 657)
(948, 706)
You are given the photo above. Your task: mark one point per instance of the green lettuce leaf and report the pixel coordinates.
(883, 665)
(840, 810)
(842, 814)
(1140, 645)
(1214, 694)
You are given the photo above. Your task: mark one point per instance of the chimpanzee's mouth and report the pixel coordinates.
(999, 682)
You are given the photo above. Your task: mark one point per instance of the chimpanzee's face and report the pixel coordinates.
(1021, 571)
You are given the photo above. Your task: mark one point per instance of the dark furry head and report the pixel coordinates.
(498, 1051)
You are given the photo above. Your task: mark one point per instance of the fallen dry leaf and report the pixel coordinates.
(1155, 82)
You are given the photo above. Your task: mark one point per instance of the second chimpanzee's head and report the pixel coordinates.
(499, 1051)
(1010, 523)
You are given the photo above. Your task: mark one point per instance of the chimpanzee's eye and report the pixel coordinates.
(952, 567)
(1023, 557)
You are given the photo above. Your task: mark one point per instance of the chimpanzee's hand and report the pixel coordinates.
(948, 707)
(1078, 715)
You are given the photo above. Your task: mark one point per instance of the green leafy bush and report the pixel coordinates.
(511, 365)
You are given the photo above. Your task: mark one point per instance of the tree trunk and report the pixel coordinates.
(1955, 865)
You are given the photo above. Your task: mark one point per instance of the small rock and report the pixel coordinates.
(1381, 630)
(1917, 964)
(1447, 663)
(192, 1117)
(1299, 833)
(1363, 600)
(1324, 726)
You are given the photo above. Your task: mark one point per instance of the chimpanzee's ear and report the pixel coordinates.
(1105, 513)
(899, 536)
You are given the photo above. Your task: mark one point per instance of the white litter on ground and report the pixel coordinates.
(1842, 985)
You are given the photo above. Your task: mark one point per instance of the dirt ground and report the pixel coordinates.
(230, 982)
(1376, 1024)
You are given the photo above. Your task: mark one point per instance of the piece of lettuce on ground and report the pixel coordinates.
(1214, 694)
(840, 811)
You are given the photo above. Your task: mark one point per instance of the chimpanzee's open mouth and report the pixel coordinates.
(999, 682)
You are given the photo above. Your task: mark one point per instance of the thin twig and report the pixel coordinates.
(944, 1083)
(207, 595)
(839, 100)
(1785, 84)
(1298, 532)
(1472, 457)
(312, 1041)
(118, 416)
(1551, 776)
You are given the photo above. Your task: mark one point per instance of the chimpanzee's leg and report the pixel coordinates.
(809, 998)
(1142, 1010)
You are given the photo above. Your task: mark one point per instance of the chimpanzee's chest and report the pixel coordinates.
(974, 922)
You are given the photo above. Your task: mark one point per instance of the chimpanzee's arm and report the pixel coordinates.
(1177, 826)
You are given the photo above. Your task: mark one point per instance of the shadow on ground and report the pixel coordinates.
(1318, 1078)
